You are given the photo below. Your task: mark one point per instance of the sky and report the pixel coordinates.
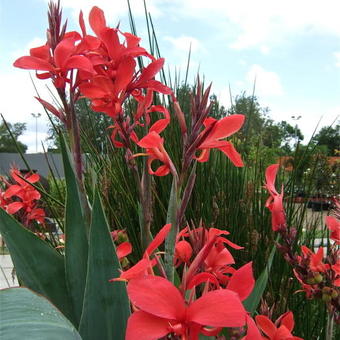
(291, 48)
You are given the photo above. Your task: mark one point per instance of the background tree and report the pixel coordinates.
(330, 138)
(7, 144)
(260, 130)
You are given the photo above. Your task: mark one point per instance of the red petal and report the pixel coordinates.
(63, 51)
(151, 70)
(199, 259)
(151, 140)
(50, 107)
(33, 195)
(218, 308)
(160, 125)
(253, 332)
(266, 325)
(78, 62)
(136, 271)
(33, 178)
(125, 73)
(157, 86)
(158, 240)
(202, 277)
(82, 23)
(131, 40)
(41, 52)
(271, 172)
(231, 244)
(12, 208)
(204, 156)
(124, 249)
(110, 39)
(157, 296)
(97, 20)
(144, 326)
(225, 127)
(162, 170)
(229, 150)
(12, 190)
(283, 334)
(287, 320)
(242, 281)
(33, 63)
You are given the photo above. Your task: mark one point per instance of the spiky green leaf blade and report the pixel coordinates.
(171, 238)
(254, 298)
(106, 305)
(26, 315)
(76, 245)
(38, 266)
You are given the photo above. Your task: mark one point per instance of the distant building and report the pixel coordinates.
(288, 161)
(43, 164)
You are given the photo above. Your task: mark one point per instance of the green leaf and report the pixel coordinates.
(254, 299)
(37, 264)
(171, 239)
(26, 315)
(76, 245)
(106, 305)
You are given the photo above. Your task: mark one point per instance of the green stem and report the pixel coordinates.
(171, 239)
(330, 326)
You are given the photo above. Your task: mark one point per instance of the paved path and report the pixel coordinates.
(7, 276)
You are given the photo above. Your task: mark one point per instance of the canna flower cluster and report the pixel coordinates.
(318, 274)
(206, 300)
(20, 198)
(198, 306)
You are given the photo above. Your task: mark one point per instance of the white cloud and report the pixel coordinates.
(337, 58)
(184, 42)
(265, 22)
(268, 83)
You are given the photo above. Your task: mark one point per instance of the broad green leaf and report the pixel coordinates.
(26, 315)
(76, 245)
(38, 266)
(254, 298)
(106, 305)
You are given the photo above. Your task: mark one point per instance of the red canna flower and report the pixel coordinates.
(154, 145)
(333, 224)
(280, 330)
(315, 259)
(145, 265)
(220, 129)
(162, 310)
(22, 197)
(275, 201)
(58, 65)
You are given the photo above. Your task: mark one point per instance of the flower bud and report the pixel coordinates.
(326, 298)
(180, 117)
(334, 294)
(318, 278)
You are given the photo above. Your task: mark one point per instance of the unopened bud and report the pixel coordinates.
(326, 290)
(318, 278)
(180, 117)
(326, 298)
(334, 294)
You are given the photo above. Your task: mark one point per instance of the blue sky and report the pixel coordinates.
(291, 47)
